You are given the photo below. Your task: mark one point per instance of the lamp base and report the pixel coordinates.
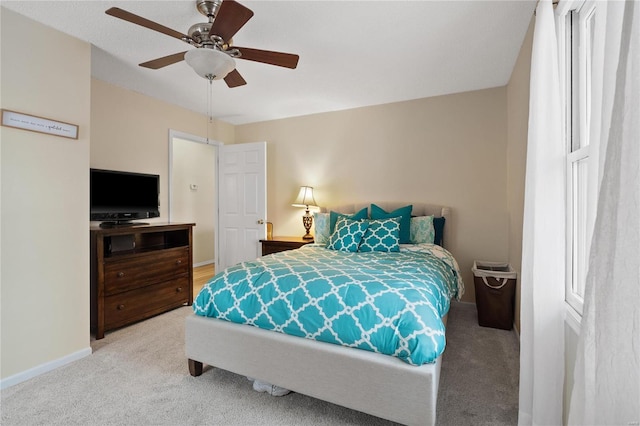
(307, 220)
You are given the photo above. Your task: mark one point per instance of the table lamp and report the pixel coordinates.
(305, 199)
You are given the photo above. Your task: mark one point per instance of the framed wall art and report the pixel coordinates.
(34, 123)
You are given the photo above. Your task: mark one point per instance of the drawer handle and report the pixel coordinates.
(179, 290)
(120, 307)
(178, 262)
(120, 274)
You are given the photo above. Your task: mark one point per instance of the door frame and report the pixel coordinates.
(216, 145)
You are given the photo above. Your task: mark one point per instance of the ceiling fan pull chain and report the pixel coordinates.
(209, 105)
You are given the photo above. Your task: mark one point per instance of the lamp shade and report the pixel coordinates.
(210, 63)
(305, 198)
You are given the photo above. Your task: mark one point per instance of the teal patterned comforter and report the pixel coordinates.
(390, 303)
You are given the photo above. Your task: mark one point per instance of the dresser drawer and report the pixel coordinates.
(145, 302)
(127, 274)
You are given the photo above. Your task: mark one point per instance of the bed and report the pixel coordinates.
(370, 380)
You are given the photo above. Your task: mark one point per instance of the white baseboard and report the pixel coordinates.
(206, 262)
(43, 368)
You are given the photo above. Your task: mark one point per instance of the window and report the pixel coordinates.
(577, 31)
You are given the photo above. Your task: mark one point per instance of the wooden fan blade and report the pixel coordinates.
(230, 18)
(164, 61)
(234, 79)
(143, 22)
(287, 60)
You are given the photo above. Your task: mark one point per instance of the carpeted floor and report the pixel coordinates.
(138, 376)
(480, 372)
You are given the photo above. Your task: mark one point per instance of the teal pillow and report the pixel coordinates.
(438, 225)
(347, 235)
(321, 227)
(422, 230)
(362, 214)
(381, 235)
(405, 220)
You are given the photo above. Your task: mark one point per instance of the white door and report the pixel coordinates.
(243, 203)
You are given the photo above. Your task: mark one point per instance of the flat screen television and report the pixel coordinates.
(118, 197)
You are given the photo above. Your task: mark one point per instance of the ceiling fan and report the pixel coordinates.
(214, 55)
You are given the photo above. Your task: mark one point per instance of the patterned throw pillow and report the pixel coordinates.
(405, 219)
(422, 230)
(321, 230)
(382, 235)
(347, 235)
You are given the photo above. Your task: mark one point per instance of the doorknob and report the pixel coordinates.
(260, 222)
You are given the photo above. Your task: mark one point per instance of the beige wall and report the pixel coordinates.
(45, 198)
(448, 150)
(130, 132)
(517, 129)
(194, 163)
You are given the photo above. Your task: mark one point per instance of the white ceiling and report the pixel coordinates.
(352, 53)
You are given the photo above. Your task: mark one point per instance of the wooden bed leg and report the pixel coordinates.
(195, 368)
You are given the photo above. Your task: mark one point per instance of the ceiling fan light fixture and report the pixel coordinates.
(210, 63)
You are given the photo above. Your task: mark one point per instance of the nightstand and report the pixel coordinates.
(278, 244)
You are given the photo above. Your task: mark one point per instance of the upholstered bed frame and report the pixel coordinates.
(373, 383)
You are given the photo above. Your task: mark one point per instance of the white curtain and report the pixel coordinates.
(606, 387)
(543, 253)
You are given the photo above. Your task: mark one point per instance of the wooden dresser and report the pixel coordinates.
(278, 244)
(139, 271)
